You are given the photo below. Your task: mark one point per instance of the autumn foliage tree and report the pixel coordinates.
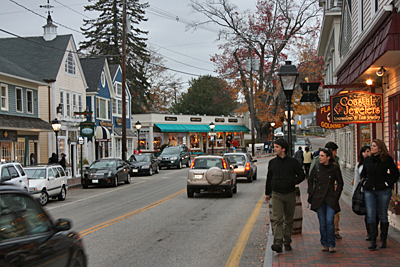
(265, 35)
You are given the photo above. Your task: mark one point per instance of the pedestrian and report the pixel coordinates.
(235, 145)
(316, 153)
(228, 144)
(325, 195)
(32, 159)
(299, 156)
(333, 148)
(53, 159)
(381, 174)
(308, 157)
(365, 151)
(284, 173)
(62, 161)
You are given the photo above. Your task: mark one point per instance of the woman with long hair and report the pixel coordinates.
(324, 198)
(381, 174)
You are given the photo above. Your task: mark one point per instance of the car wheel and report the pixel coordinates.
(150, 171)
(188, 163)
(190, 193)
(128, 179)
(250, 179)
(84, 186)
(255, 176)
(78, 260)
(158, 169)
(63, 194)
(229, 192)
(44, 198)
(235, 189)
(180, 165)
(115, 181)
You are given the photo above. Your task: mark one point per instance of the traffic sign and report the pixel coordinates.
(299, 123)
(81, 140)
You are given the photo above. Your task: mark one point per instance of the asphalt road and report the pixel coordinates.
(151, 222)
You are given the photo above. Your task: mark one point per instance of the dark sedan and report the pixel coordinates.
(109, 171)
(145, 163)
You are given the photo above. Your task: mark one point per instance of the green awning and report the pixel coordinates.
(231, 128)
(199, 128)
(171, 128)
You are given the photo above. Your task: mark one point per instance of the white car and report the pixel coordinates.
(47, 181)
(13, 173)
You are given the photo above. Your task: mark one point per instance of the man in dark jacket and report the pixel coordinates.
(284, 173)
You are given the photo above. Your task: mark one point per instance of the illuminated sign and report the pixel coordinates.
(195, 119)
(219, 120)
(357, 107)
(324, 119)
(170, 118)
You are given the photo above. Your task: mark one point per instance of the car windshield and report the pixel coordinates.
(36, 173)
(207, 163)
(300, 143)
(142, 158)
(171, 151)
(237, 159)
(103, 164)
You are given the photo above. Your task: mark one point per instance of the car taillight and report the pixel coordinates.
(191, 165)
(247, 168)
(224, 163)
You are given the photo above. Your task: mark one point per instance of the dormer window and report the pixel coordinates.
(70, 66)
(118, 88)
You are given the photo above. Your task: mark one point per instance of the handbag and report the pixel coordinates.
(358, 201)
(311, 192)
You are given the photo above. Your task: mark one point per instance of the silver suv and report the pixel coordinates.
(13, 173)
(212, 174)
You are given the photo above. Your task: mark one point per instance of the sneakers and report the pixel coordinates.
(277, 248)
(337, 236)
(325, 248)
(332, 249)
(288, 247)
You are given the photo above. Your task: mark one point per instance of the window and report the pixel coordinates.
(74, 103)
(4, 97)
(108, 110)
(29, 101)
(18, 97)
(118, 88)
(70, 64)
(62, 103)
(119, 107)
(20, 152)
(67, 104)
(127, 109)
(114, 106)
(80, 103)
(102, 110)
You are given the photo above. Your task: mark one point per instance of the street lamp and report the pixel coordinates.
(56, 124)
(272, 130)
(212, 126)
(288, 75)
(138, 126)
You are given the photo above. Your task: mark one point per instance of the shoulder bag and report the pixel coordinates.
(358, 201)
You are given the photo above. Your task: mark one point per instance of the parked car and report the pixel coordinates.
(145, 163)
(174, 156)
(212, 174)
(247, 166)
(109, 171)
(29, 237)
(47, 181)
(13, 173)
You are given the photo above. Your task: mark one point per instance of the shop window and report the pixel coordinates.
(6, 151)
(20, 152)
(219, 141)
(195, 141)
(157, 142)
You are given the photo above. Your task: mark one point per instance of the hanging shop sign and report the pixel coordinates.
(87, 129)
(357, 107)
(168, 118)
(8, 136)
(324, 119)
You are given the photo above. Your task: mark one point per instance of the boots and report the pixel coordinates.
(366, 225)
(373, 233)
(384, 234)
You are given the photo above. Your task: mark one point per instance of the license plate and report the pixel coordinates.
(95, 181)
(134, 170)
(198, 176)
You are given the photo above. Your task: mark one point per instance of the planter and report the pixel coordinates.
(395, 210)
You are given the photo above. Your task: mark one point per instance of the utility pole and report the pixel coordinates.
(124, 80)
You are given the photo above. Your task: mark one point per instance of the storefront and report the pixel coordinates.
(190, 130)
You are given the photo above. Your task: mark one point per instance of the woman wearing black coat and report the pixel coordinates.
(381, 174)
(324, 199)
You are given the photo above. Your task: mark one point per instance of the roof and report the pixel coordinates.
(113, 69)
(92, 68)
(25, 123)
(33, 57)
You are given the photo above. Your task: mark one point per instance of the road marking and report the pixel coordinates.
(130, 214)
(237, 251)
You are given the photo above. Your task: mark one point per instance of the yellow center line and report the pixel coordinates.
(130, 214)
(237, 251)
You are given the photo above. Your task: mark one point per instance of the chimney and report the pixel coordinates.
(50, 30)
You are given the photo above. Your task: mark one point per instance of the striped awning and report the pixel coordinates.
(102, 134)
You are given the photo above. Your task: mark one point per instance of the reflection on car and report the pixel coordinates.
(28, 237)
(211, 174)
(247, 166)
(145, 163)
(109, 171)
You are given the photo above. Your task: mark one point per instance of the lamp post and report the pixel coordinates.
(288, 75)
(272, 130)
(56, 124)
(138, 126)
(212, 126)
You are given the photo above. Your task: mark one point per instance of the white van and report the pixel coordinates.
(13, 173)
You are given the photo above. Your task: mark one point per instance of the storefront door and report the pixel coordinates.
(394, 130)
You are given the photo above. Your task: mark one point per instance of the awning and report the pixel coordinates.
(10, 122)
(231, 128)
(102, 134)
(129, 132)
(199, 128)
(171, 128)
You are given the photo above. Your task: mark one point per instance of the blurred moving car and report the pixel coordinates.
(145, 163)
(176, 156)
(108, 171)
(13, 173)
(303, 145)
(28, 237)
(212, 174)
(47, 181)
(247, 166)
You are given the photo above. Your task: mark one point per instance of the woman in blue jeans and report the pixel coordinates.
(381, 174)
(324, 199)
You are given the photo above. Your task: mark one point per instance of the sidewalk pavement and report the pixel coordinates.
(351, 250)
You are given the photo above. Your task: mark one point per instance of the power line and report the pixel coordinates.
(73, 10)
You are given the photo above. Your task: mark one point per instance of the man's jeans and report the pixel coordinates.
(326, 217)
(377, 202)
(283, 206)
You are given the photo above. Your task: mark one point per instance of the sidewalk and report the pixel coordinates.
(350, 251)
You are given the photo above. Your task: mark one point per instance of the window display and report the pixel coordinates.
(195, 140)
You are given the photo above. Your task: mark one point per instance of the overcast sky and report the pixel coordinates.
(185, 50)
